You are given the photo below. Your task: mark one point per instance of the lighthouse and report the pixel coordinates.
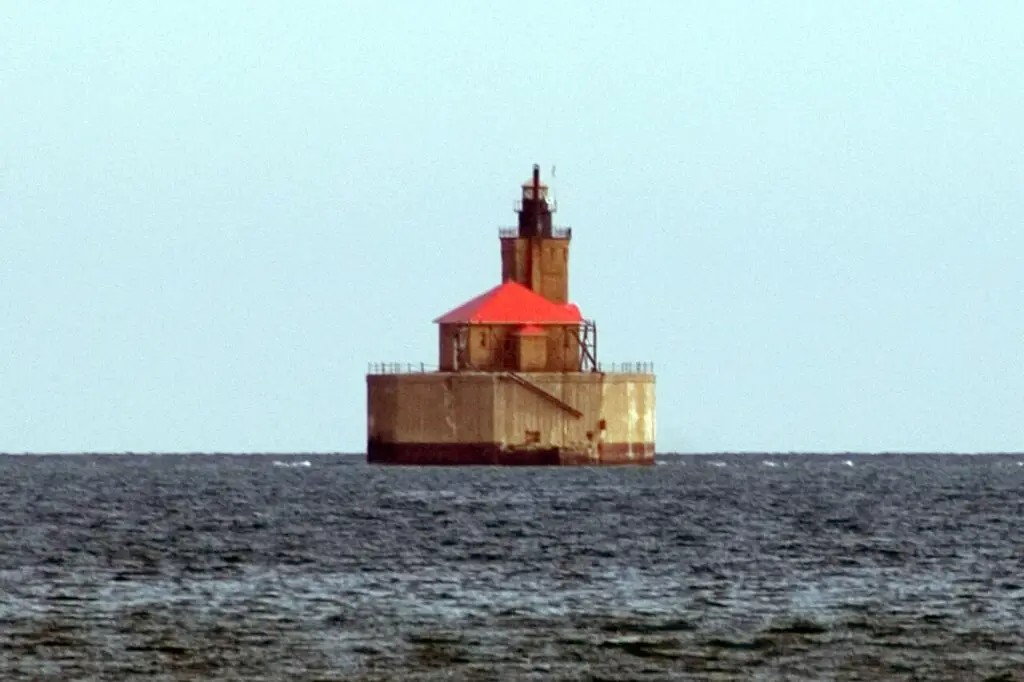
(517, 379)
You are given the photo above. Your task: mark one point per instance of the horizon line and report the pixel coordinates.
(338, 453)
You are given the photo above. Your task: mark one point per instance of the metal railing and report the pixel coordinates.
(424, 368)
(556, 232)
(400, 368)
(626, 367)
(517, 205)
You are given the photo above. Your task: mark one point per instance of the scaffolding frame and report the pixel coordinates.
(586, 341)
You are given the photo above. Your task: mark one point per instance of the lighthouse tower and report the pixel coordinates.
(535, 254)
(517, 380)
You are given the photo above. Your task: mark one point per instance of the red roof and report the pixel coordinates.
(511, 303)
(530, 330)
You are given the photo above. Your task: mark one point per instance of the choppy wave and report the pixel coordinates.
(177, 568)
(299, 465)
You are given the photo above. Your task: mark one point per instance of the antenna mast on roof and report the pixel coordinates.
(554, 192)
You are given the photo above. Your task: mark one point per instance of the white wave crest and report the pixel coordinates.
(292, 465)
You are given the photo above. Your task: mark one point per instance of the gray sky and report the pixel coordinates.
(808, 215)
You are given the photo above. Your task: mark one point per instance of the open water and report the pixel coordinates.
(809, 567)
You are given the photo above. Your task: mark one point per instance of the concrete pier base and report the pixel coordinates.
(511, 419)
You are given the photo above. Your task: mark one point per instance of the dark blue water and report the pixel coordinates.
(706, 568)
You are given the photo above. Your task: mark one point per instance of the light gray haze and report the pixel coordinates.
(808, 215)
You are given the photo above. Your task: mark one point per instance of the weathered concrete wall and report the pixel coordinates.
(485, 346)
(540, 263)
(513, 260)
(446, 346)
(554, 270)
(593, 412)
(494, 348)
(532, 351)
(563, 349)
(629, 405)
(433, 407)
(624, 404)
